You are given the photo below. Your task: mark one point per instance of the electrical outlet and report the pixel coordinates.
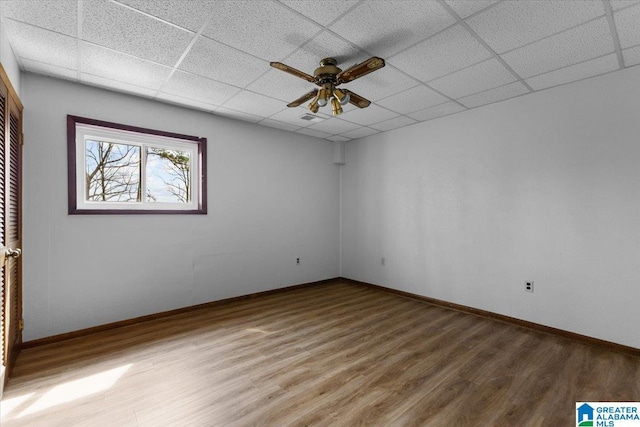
(383, 261)
(528, 287)
(297, 261)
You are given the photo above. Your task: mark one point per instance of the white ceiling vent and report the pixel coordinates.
(311, 118)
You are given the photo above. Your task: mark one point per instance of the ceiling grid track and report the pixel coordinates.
(614, 32)
(79, 38)
(184, 54)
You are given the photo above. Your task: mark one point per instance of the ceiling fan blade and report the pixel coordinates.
(304, 98)
(293, 71)
(357, 100)
(361, 69)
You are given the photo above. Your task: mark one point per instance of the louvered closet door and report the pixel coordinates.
(10, 224)
(3, 117)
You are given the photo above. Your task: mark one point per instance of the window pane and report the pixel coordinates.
(168, 176)
(112, 172)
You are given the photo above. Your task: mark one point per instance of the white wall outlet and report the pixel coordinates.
(528, 287)
(297, 261)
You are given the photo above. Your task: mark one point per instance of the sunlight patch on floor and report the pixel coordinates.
(8, 405)
(76, 389)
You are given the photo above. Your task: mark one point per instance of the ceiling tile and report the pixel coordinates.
(494, 95)
(477, 78)
(511, 24)
(631, 56)
(186, 102)
(283, 86)
(119, 28)
(576, 45)
(186, 14)
(48, 69)
(237, 115)
(266, 29)
(465, 8)
(254, 103)
(442, 54)
(575, 72)
(382, 83)
(618, 4)
(211, 59)
(279, 125)
(334, 126)
(199, 88)
(118, 66)
(437, 111)
(384, 28)
(292, 116)
(113, 85)
(56, 16)
(360, 133)
(311, 132)
(628, 25)
(322, 12)
(367, 116)
(326, 44)
(417, 98)
(395, 123)
(43, 45)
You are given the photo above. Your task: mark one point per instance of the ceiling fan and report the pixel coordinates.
(328, 76)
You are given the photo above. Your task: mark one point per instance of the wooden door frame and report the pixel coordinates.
(14, 105)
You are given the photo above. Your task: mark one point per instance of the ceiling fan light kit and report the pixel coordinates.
(329, 76)
(342, 96)
(323, 96)
(335, 106)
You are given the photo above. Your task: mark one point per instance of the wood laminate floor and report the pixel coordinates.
(333, 354)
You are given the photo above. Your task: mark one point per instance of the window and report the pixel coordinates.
(123, 169)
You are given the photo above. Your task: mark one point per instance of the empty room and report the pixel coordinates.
(331, 213)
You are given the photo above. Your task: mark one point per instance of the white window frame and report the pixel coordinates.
(88, 129)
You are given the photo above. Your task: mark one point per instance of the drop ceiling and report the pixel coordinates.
(443, 56)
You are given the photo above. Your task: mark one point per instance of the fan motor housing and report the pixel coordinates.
(327, 71)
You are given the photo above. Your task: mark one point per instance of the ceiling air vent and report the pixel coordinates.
(311, 118)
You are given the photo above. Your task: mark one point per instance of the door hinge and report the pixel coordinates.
(21, 324)
(22, 139)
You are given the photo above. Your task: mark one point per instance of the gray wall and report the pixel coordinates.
(273, 196)
(544, 187)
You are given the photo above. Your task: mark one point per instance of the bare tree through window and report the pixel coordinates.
(168, 175)
(112, 172)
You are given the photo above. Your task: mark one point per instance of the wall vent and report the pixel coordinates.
(311, 118)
